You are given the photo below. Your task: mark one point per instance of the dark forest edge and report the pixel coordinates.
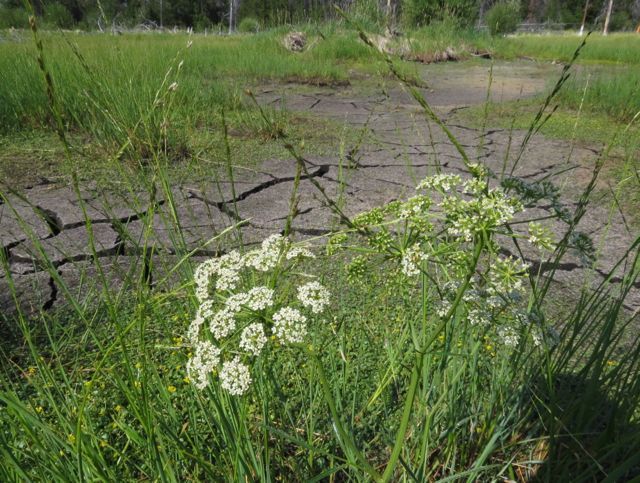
(252, 15)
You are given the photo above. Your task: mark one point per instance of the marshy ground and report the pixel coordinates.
(394, 147)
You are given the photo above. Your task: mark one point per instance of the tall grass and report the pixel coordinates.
(615, 48)
(122, 73)
(612, 87)
(612, 91)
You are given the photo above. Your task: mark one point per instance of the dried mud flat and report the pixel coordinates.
(401, 147)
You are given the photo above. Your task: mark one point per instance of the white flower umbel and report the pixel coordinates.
(411, 260)
(235, 302)
(440, 182)
(259, 298)
(228, 270)
(509, 336)
(479, 317)
(235, 377)
(474, 186)
(206, 357)
(299, 252)
(253, 338)
(289, 325)
(205, 311)
(314, 296)
(267, 257)
(416, 206)
(202, 278)
(443, 310)
(222, 323)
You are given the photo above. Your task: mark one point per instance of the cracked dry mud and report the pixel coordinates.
(135, 242)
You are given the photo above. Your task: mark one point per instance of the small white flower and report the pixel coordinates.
(479, 317)
(509, 336)
(222, 323)
(259, 298)
(228, 269)
(495, 302)
(235, 302)
(289, 325)
(253, 338)
(414, 207)
(268, 255)
(444, 308)
(235, 377)
(440, 182)
(202, 277)
(411, 260)
(537, 338)
(297, 251)
(314, 296)
(206, 357)
(474, 186)
(540, 236)
(204, 312)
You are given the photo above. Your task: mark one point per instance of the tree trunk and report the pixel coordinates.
(605, 31)
(584, 17)
(234, 6)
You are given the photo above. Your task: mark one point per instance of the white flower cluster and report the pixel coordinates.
(253, 338)
(479, 317)
(509, 336)
(415, 206)
(298, 251)
(244, 317)
(266, 258)
(314, 296)
(226, 268)
(235, 377)
(484, 212)
(440, 182)
(222, 323)
(507, 276)
(540, 236)
(474, 186)
(412, 260)
(289, 325)
(205, 359)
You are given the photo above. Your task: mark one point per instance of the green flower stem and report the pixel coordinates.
(404, 422)
(416, 371)
(345, 438)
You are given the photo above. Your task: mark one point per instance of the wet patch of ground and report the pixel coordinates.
(46, 238)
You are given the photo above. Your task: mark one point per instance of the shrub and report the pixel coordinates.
(249, 25)
(58, 15)
(503, 18)
(13, 17)
(419, 13)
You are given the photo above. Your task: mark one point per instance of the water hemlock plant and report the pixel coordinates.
(440, 246)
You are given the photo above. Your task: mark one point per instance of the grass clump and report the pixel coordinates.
(249, 25)
(615, 48)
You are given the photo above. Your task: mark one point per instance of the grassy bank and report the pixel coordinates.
(621, 48)
(134, 96)
(95, 73)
